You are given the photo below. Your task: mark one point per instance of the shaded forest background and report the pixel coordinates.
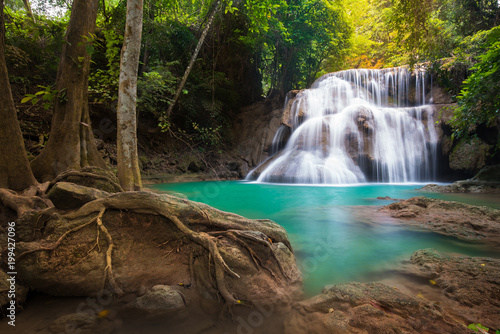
(254, 49)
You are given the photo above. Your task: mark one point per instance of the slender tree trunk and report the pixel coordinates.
(15, 171)
(29, 12)
(71, 142)
(128, 162)
(193, 59)
(145, 59)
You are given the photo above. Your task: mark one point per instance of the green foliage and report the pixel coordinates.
(32, 49)
(14, 5)
(154, 89)
(420, 31)
(452, 71)
(293, 38)
(46, 96)
(105, 74)
(209, 136)
(470, 16)
(401, 32)
(478, 102)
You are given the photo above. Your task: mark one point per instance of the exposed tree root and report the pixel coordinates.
(22, 204)
(72, 172)
(108, 271)
(56, 244)
(172, 208)
(255, 258)
(262, 241)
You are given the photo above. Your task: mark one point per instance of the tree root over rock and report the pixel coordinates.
(193, 222)
(21, 203)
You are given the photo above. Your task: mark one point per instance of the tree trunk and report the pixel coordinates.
(29, 12)
(145, 59)
(71, 142)
(15, 171)
(193, 59)
(128, 162)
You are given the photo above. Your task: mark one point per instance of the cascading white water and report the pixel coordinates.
(357, 126)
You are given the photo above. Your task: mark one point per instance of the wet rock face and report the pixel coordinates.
(469, 156)
(368, 308)
(488, 174)
(253, 131)
(474, 283)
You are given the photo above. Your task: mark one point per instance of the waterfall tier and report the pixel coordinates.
(356, 126)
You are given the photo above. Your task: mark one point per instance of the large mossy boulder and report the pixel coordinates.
(469, 156)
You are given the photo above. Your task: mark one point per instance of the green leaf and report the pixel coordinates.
(34, 101)
(26, 99)
(478, 327)
(40, 92)
(80, 59)
(90, 49)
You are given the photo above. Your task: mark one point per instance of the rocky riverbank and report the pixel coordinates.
(487, 180)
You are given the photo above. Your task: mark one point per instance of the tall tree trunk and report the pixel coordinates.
(15, 171)
(29, 12)
(193, 59)
(71, 142)
(128, 162)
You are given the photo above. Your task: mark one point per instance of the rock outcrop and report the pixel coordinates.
(253, 131)
(472, 284)
(463, 221)
(486, 181)
(372, 308)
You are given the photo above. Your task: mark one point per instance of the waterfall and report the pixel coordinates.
(356, 126)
